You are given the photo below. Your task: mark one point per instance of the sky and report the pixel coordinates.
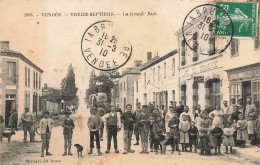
(53, 43)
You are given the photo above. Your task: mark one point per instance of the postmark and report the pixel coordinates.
(102, 47)
(243, 16)
(199, 28)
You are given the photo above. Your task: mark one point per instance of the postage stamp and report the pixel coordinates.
(198, 27)
(103, 49)
(243, 16)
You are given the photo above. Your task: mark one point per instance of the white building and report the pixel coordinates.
(20, 82)
(159, 81)
(126, 85)
(201, 76)
(242, 66)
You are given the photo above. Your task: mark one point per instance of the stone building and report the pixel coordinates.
(20, 82)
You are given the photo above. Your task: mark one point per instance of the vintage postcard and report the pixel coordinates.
(129, 82)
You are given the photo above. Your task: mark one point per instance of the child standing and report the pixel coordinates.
(184, 127)
(241, 130)
(174, 132)
(158, 129)
(217, 134)
(94, 124)
(257, 129)
(68, 126)
(193, 132)
(228, 137)
(204, 143)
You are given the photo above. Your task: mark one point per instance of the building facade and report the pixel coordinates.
(159, 80)
(242, 66)
(201, 76)
(20, 82)
(126, 85)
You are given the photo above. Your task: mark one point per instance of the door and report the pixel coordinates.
(214, 93)
(9, 104)
(246, 91)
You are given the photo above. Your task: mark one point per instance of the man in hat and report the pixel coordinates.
(128, 118)
(113, 120)
(27, 122)
(143, 120)
(94, 124)
(68, 126)
(46, 125)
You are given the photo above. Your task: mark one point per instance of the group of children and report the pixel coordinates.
(191, 134)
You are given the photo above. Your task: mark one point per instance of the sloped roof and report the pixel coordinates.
(158, 59)
(11, 53)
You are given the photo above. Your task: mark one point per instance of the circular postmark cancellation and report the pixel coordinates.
(102, 47)
(201, 29)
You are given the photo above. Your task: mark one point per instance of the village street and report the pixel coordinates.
(17, 152)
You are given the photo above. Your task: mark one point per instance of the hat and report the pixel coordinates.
(144, 106)
(112, 106)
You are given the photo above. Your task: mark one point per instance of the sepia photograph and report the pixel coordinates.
(171, 82)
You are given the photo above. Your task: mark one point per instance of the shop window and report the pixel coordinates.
(183, 94)
(183, 61)
(256, 91)
(195, 95)
(195, 47)
(234, 47)
(235, 91)
(11, 73)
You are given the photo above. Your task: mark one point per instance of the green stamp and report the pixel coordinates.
(243, 16)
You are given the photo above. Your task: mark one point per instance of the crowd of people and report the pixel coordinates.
(156, 128)
(193, 130)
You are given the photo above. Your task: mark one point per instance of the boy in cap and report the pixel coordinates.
(113, 120)
(68, 126)
(143, 120)
(94, 124)
(46, 125)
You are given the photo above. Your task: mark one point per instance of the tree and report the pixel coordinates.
(68, 85)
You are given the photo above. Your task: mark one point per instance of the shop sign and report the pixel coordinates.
(245, 74)
(198, 79)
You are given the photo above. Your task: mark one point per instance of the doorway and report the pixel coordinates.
(246, 91)
(9, 105)
(214, 93)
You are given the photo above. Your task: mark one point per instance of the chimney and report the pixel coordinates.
(4, 45)
(149, 56)
(138, 63)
